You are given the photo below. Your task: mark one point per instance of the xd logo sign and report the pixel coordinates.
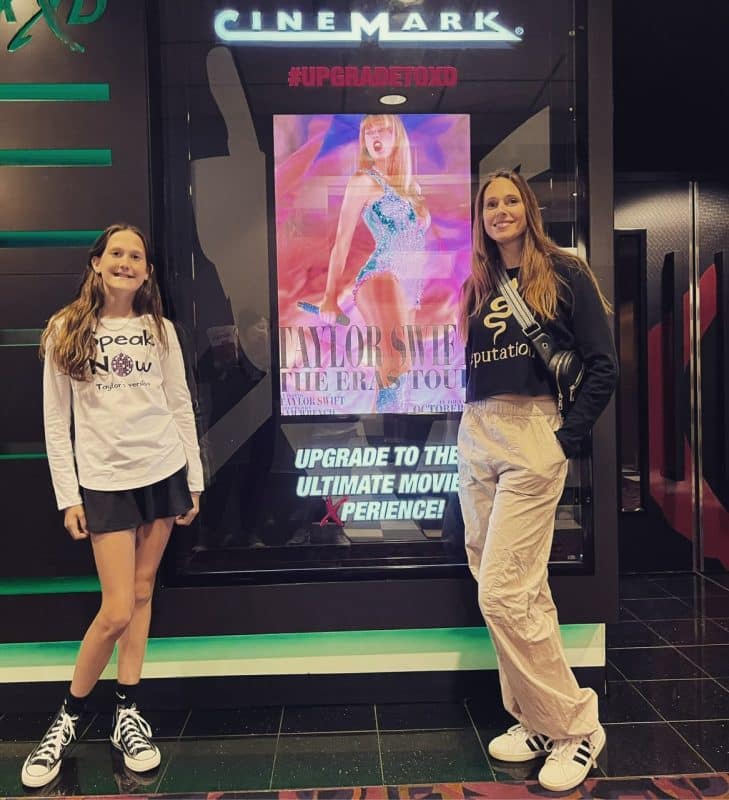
(47, 10)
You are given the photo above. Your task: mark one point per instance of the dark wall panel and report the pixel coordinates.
(713, 263)
(662, 207)
(36, 279)
(682, 221)
(21, 420)
(113, 44)
(27, 301)
(76, 198)
(74, 125)
(72, 198)
(35, 541)
(30, 261)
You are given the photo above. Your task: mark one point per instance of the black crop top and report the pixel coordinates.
(501, 360)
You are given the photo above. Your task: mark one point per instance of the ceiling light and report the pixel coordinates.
(393, 99)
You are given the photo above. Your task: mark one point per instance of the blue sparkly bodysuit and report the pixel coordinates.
(399, 235)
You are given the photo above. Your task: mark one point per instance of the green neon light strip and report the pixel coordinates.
(20, 337)
(55, 92)
(21, 451)
(61, 585)
(64, 584)
(334, 652)
(48, 238)
(56, 158)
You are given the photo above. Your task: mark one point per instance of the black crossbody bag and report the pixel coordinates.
(565, 367)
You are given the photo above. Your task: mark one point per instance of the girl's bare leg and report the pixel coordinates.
(151, 541)
(114, 556)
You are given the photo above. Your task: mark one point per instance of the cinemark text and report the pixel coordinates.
(293, 27)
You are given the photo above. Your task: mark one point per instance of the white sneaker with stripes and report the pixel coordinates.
(570, 761)
(519, 744)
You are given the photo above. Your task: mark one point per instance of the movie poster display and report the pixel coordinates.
(373, 244)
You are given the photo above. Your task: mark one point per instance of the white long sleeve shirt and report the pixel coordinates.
(133, 423)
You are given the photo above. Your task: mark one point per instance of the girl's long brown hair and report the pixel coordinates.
(539, 281)
(71, 330)
(400, 163)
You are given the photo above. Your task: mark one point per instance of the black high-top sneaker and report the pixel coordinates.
(127, 780)
(44, 763)
(131, 735)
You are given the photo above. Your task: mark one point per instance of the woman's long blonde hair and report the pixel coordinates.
(399, 164)
(71, 330)
(538, 279)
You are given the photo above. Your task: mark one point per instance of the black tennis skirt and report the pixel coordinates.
(127, 509)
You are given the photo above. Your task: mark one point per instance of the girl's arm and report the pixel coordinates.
(356, 195)
(180, 404)
(57, 425)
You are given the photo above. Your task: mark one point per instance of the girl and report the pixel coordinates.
(385, 194)
(132, 469)
(513, 449)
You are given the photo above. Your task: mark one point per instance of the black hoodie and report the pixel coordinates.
(501, 360)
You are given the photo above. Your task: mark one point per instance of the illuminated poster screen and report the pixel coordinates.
(373, 245)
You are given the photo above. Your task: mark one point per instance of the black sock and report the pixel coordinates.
(126, 695)
(75, 706)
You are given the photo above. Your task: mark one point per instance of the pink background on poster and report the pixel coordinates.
(314, 156)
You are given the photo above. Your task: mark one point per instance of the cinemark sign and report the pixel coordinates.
(448, 28)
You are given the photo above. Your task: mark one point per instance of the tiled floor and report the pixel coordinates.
(666, 712)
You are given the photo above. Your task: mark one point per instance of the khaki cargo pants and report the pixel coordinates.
(512, 472)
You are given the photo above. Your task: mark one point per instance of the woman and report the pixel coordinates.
(513, 448)
(387, 288)
(132, 469)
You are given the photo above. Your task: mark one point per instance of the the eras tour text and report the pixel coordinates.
(327, 358)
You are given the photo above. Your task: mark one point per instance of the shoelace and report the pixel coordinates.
(520, 730)
(132, 729)
(565, 749)
(58, 736)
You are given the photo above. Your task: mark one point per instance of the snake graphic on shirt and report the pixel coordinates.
(500, 312)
